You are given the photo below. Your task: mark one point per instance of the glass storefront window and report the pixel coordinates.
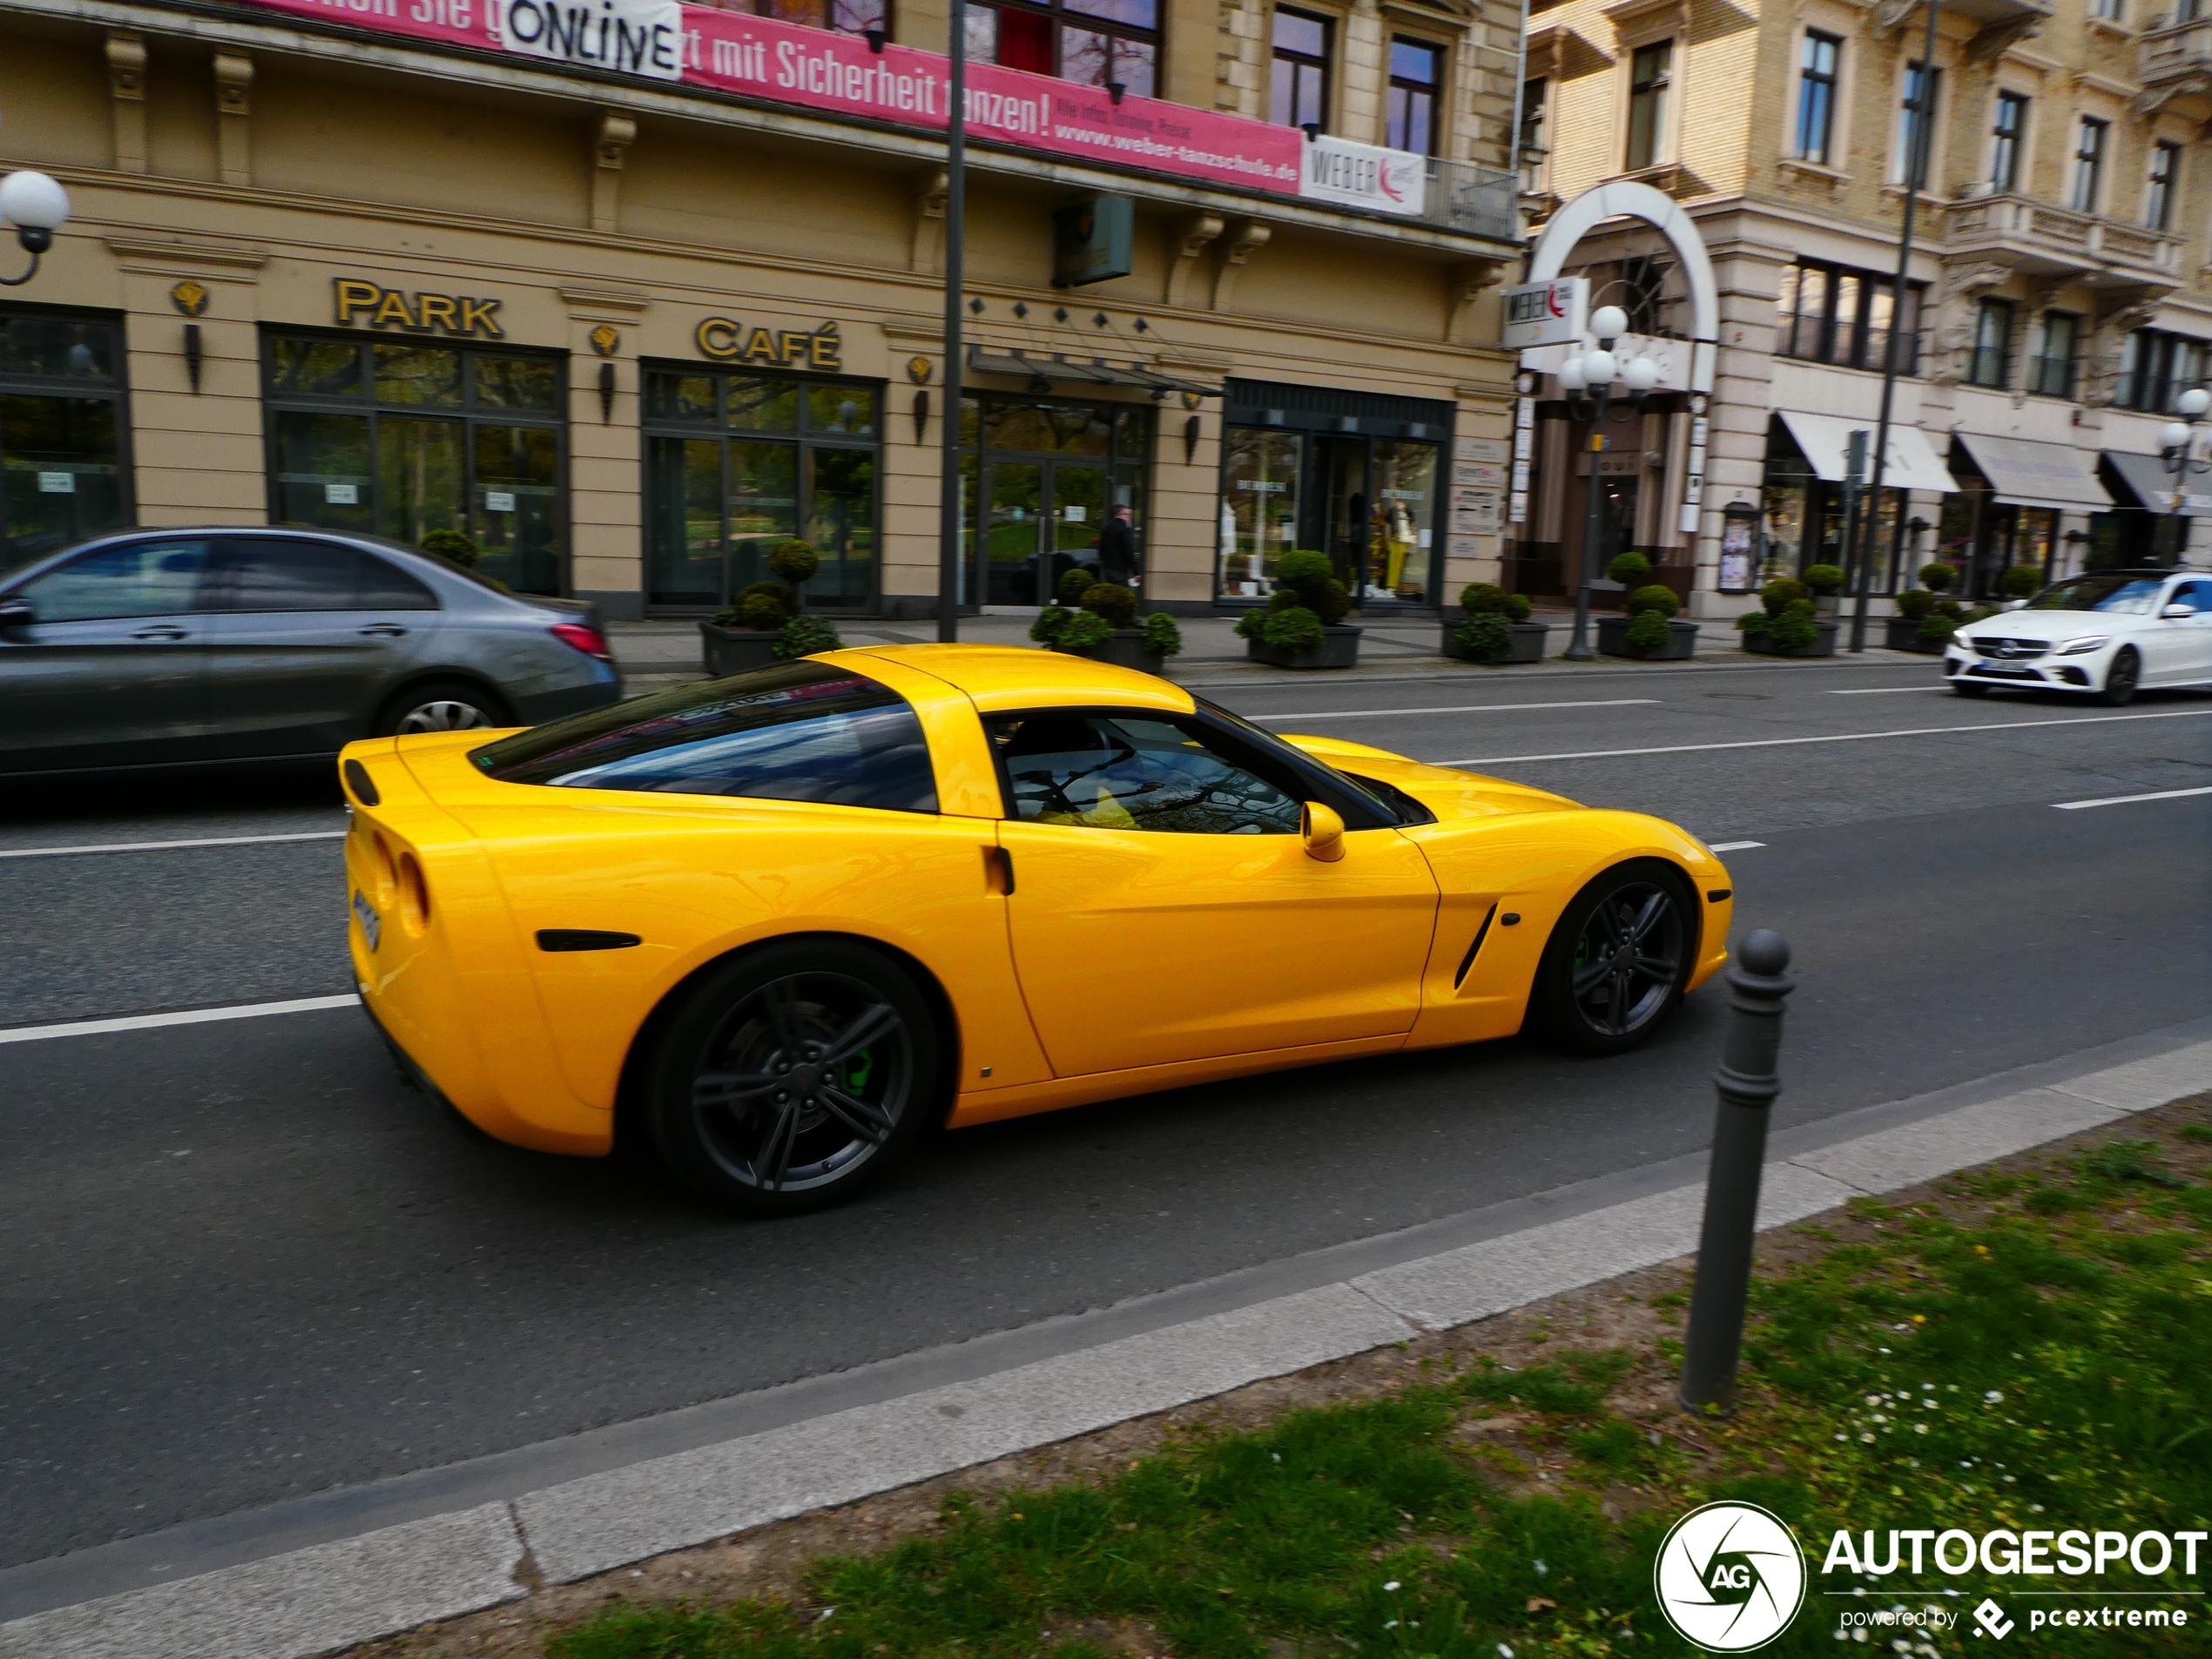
(716, 504)
(1370, 503)
(1260, 506)
(63, 470)
(1403, 538)
(1049, 483)
(402, 438)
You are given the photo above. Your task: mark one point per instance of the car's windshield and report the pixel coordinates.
(2127, 596)
(798, 732)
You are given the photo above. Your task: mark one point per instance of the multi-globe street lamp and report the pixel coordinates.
(37, 206)
(1588, 378)
(2177, 439)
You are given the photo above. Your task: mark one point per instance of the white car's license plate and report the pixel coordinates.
(372, 924)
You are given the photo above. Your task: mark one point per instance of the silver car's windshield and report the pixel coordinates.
(2119, 595)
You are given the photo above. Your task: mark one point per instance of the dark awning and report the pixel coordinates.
(2145, 478)
(1059, 369)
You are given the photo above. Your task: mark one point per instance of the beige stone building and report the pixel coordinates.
(405, 265)
(2059, 296)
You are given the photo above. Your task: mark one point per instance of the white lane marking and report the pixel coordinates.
(1734, 847)
(2122, 800)
(160, 846)
(1458, 708)
(1841, 737)
(1883, 691)
(189, 1017)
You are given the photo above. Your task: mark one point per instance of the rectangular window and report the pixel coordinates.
(1648, 79)
(2052, 372)
(2007, 128)
(2157, 367)
(2110, 10)
(401, 437)
(1415, 73)
(1817, 95)
(736, 462)
(1989, 362)
(2088, 164)
(2165, 170)
(1092, 43)
(1830, 313)
(64, 468)
(1299, 93)
(1536, 152)
(1916, 137)
(842, 16)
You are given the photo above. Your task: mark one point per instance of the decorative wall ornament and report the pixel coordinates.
(191, 298)
(921, 370)
(604, 338)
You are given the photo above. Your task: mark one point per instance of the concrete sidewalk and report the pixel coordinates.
(475, 1536)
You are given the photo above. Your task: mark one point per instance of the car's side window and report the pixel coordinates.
(2197, 594)
(384, 586)
(1129, 772)
(798, 732)
(285, 573)
(149, 578)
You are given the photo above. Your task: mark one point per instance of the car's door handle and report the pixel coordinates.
(384, 629)
(998, 871)
(163, 632)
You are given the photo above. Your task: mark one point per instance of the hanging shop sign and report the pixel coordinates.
(790, 63)
(1364, 175)
(727, 340)
(1546, 313)
(356, 302)
(1092, 240)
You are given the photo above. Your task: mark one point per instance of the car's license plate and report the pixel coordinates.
(2010, 671)
(372, 924)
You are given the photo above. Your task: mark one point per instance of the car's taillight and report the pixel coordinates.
(585, 637)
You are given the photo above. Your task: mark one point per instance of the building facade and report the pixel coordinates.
(2059, 298)
(628, 307)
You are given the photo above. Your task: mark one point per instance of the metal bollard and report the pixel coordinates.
(1747, 1085)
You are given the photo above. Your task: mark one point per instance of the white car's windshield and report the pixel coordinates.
(2124, 596)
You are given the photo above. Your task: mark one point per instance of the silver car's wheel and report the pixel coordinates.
(440, 706)
(445, 714)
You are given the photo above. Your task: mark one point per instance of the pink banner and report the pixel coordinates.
(814, 68)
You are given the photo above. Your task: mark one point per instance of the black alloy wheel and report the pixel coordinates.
(1615, 964)
(2122, 680)
(794, 1075)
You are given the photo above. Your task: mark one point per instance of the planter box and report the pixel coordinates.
(1125, 649)
(1903, 633)
(1340, 648)
(1528, 643)
(735, 650)
(1682, 643)
(1824, 645)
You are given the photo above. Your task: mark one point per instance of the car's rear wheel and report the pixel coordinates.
(1616, 963)
(441, 706)
(795, 1075)
(2123, 680)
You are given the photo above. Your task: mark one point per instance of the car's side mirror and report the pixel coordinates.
(16, 612)
(2172, 613)
(1323, 832)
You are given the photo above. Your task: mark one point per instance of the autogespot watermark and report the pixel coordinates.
(1730, 1578)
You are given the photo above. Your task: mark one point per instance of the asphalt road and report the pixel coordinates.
(241, 1263)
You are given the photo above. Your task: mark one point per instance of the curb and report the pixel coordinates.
(382, 1581)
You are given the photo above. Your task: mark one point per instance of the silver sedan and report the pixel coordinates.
(178, 647)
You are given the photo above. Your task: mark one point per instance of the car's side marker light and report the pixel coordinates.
(1511, 919)
(583, 939)
(1719, 893)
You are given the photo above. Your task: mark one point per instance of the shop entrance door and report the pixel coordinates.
(1616, 519)
(1345, 529)
(1040, 519)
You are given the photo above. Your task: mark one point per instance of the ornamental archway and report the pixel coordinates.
(1665, 214)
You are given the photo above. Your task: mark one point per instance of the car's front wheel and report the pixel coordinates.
(2122, 679)
(794, 1075)
(1616, 963)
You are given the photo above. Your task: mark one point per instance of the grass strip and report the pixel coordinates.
(2016, 1350)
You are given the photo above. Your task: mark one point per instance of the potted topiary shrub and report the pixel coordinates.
(796, 562)
(764, 623)
(1786, 625)
(1934, 629)
(456, 545)
(2019, 581)
(1650, 628)
(1106, 630)
(1902, 632)
(1938, 577)
(1824, 582)
(1303, 625)
(1630, 570)
(1495, 627)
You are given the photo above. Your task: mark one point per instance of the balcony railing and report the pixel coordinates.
(1480, 201)
(2174, 53)
(2043, 238)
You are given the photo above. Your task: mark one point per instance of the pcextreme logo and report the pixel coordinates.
(1730, 1577)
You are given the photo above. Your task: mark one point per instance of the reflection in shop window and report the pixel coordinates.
(1093, 43)
(1260, 506)
(63, 475)
(1403, 541)
(426, 376)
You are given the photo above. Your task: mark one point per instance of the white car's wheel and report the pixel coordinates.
(2122, 679)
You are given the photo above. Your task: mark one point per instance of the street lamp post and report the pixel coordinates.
(1587, 377)
(2175, 440)
(37, 207)
(948, 501)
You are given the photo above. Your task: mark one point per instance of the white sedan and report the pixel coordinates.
(2105, 635)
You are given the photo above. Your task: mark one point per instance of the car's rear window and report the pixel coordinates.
(798, 732)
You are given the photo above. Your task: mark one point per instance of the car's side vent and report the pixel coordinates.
(359, 783)
(583, 939)
(1468, 962)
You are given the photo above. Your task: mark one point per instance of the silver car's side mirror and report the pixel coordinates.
(16, 612)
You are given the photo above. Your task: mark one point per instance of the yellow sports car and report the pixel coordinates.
(779, 924)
